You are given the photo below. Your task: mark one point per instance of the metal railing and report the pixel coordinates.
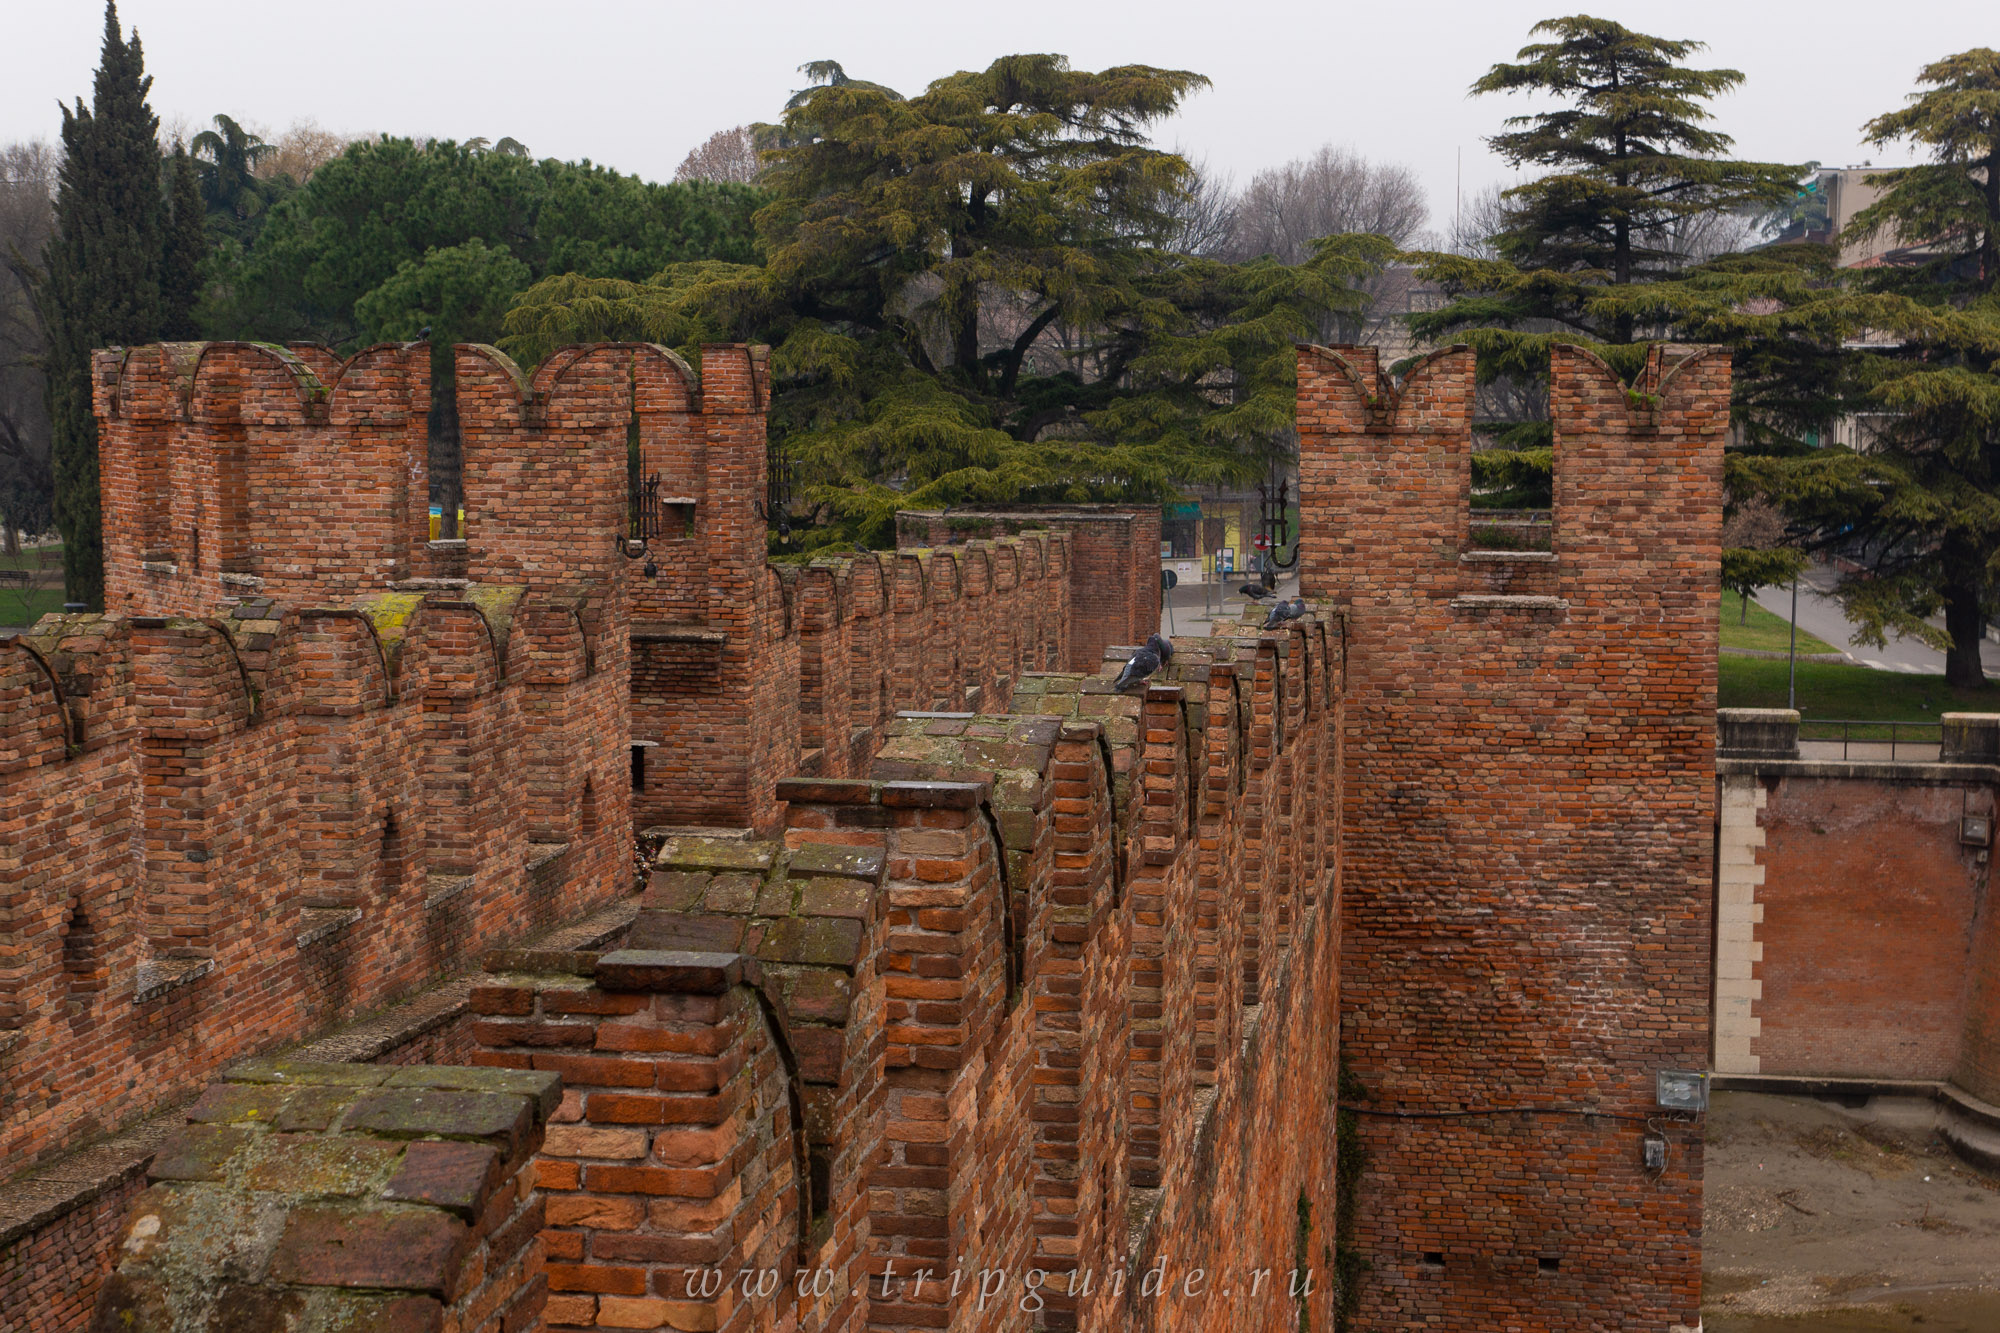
(1924, 740)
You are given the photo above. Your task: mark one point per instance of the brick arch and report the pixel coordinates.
(429, 639)
(250, 382)
(356, 664)
(42, 727)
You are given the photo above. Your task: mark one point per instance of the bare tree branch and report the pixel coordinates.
(726, 155)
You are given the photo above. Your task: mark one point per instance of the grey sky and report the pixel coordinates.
(635, 85)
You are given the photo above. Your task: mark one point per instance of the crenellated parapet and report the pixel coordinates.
(243, 468)
(239, 828)
(1108, 561)
(1529, 814)
(965, 1016)
(843, 644)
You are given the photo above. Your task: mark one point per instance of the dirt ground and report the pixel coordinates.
(1836, 1221)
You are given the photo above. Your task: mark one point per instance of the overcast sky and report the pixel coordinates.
(635, 85)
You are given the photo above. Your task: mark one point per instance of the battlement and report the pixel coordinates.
(827, 652)
(1532, 810)
(227, 832)
(973, 1002)
(233, 469)
(1114, 583)
(976, 970)
(241, 468)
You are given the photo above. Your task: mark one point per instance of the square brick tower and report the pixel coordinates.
(1529, 822)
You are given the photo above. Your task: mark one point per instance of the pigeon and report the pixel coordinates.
(1145, 661)
(1283, 611)
(424, 334)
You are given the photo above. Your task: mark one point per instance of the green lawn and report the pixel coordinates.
(1837, 690)
(23, 606)
(1764, 630)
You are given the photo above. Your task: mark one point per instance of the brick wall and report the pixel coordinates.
(323, 836)
(233, 468)
(1113, 566)
(232, 823)
(1046, 991)
(349, 1196)
(843, 644)
(1529, 809)
(1855, 932)
(1866, 935)
(986, 974)
(51, 1272)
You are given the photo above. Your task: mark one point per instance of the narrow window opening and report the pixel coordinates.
(1549, 1263)
(638, 768)
(1433, 1258)
(587, 820)
(79, 955)
(446, 461)
(392, 852)
(819, 1170)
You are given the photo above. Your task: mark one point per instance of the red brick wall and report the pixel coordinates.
(50, 1276)
(675, 1150)
(996, 1042)
(1870, 903)
(240, 467)
(1529, 815)
(1113, 566)
(1027, 1046)
(339, 802)
(841, 645)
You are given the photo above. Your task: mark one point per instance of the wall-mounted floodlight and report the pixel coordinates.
(1681, 1089)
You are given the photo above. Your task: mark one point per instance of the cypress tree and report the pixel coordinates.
(102, 285)
(186, 247)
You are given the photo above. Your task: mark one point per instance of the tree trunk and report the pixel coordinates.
(1964, 664)
(965, 348)
(1744, 617)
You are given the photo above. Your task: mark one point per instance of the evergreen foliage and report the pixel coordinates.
(186, 250)
(236, 198)
(391, 202)
(970, 301)
(101, 287)
(1909, 349)
(1632, 174)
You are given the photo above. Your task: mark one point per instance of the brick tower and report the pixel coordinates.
(1529, 818)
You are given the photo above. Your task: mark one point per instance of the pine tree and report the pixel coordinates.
(1909, 346)
(1633, 174)
(102, 284)
(186, 248)
(971, 299)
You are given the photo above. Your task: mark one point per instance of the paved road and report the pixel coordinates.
(1820, 614)
(1185, 610)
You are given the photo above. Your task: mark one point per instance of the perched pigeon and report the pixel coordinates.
(424, 334)
(1283, 611)
(1145, 661)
